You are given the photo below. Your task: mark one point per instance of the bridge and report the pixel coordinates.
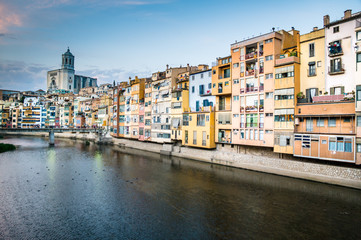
(51, 131)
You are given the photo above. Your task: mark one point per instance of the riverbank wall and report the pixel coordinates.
(347, 176)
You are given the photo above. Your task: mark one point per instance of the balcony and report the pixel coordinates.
(261, 88)
(328, 98)
(241, 109)
(251, 125)
(206, 93)
(335, 49)
(336, 70)
(261, 125)
(251, 55)
(251, 108)
(241, 125)
(242, 90)
(284, 59)
(251, 89)
(250, 72)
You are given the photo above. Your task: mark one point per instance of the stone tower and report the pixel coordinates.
(68, 60)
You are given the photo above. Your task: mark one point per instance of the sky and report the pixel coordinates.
(118, 39)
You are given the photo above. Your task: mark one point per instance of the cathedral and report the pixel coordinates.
(64, 79)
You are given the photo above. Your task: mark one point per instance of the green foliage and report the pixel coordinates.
(4, 147)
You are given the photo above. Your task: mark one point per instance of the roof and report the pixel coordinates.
(68, 53)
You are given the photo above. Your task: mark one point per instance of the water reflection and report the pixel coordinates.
(75, 191)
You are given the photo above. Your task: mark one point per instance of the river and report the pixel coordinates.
(78, 191)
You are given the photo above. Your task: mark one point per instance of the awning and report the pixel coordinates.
(284, 111)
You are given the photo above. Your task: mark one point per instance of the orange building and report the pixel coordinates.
(325, 130)
(222, 89)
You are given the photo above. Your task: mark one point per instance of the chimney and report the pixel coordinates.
(188, 68)
(315, 28)
(326, 20)
(347, 13)
(167, 66)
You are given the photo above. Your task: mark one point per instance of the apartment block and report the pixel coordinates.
(222, 89)
(148, 109)
(287, 85)
(198, 129)
(253, 88)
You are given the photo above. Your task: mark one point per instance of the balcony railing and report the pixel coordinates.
(251, 108)
(250, 73)
(251, 125)
(261, 70)
(251, 89)
(251, 55)
(261, 88)
(261, 125)
(242, 125)
(311, 73)
(241, 109)
(242, 90)
(336, 70)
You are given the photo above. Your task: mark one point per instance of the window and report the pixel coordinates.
(201, 120)
(347, 119)
(201, 75)
(269, 57)
(192, 89)
(358, 95)
(241, 136)
(358, 57)
(284, 72)
(358, 35)
(332, 122)
(311, 48)
(209, 85)
(269, 95)
(195, 137)
(269, 75)
(336, 29)
(227, 73)
(235, 98)
(235, 65)
(358, 148)
(192, 77)
(309, 125)
(226, 83)
(336, 65)
(242, 67)
(268, 40)
(186, 136)
(320, 122)
(319, 64)
(236, 50)
(261, 135)
(348, 145)
(235, 81)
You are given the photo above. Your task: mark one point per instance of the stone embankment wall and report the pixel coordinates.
(252, 160)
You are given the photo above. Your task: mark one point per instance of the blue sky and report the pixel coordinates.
(112, 40)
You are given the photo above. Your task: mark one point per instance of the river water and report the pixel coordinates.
(74, 191)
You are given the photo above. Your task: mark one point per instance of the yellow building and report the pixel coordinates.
(312, 64)
(287, 85)
(222, 89)
(198, 128)
(179, 104)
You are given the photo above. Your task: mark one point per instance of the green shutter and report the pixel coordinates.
(332, 91)
(342, 90)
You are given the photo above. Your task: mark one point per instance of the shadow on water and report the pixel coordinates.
(79, 191)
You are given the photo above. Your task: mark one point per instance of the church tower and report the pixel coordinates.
(68, 60)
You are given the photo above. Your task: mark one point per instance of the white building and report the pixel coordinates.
(200, 90)
(341, 48)
(64, 79)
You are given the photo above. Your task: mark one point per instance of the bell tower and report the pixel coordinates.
(67, 60)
